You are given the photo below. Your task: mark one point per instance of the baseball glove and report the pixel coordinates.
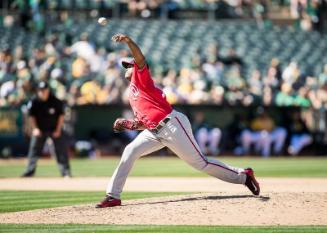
(119, 125)
(122, 124)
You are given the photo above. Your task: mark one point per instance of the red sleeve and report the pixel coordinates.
(142, 76)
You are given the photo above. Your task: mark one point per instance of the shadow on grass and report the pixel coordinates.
(212, 197)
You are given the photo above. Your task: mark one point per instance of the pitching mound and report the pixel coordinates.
(198, 209)
(284, 201)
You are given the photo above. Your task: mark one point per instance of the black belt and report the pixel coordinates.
(160, 125)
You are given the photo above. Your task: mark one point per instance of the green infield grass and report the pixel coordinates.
(55, 228)
(13, 201)
(174, 167)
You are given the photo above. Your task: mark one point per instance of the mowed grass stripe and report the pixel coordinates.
(45, 201)
(175, 167)
(17, 195)
(72, 228)
(12, 201)
(23, 196)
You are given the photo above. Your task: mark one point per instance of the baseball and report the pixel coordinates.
(102, 21)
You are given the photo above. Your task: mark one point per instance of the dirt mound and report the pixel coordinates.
(284, 201)
(197, 209)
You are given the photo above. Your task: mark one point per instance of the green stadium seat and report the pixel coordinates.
(256, 46)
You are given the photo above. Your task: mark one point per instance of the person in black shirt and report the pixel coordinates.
(46, 118)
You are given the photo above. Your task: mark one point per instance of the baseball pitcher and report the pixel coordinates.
(161, 126)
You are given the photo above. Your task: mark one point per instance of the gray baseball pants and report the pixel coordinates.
(178, 137)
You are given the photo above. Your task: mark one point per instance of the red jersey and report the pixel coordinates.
(148, 102)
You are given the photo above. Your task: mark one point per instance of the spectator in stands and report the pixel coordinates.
(143, 8)
(79, 67)
(217, 94)
(299, 134)
(169, 85)
(185, 84)
(260, 11)
(318, 97)
(235, 85)
(90, 91)
(275, 64)
(285, 96)
(263, 133)
(317, 94)
(213, 70)
(273, 76)
(306, 22)
(323, 76)
(291, 73)
(268, 96)
(83, 48)
(23, 12)
(255, 86)
(301, 99)
(308, 13)
(207, 137)
(199, 93)
(6, 64)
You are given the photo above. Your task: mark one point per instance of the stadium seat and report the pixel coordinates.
(255, 45)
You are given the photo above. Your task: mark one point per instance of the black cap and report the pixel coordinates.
(42, 85)
(126, 63)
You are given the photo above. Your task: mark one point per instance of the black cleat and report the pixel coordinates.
(28, 174)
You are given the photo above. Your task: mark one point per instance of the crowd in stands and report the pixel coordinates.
(83, 74)
(308, 13)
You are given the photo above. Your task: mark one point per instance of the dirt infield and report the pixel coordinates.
(283, 202)
(165, 184)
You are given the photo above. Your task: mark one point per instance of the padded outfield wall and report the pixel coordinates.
(82, 122)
